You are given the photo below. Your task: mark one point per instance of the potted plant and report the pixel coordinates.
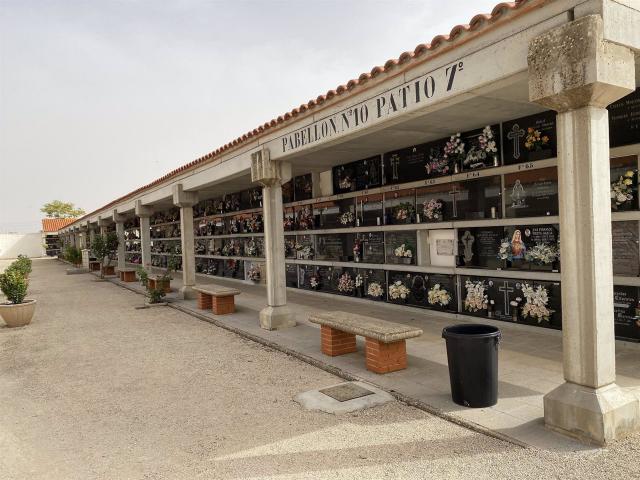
(23, 264)
(104, 247)
(163, 281)
(17, 312)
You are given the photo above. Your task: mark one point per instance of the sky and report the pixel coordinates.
(100, 97)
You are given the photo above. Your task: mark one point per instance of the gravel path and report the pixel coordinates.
(96, 389)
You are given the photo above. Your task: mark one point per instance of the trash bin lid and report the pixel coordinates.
(471, 330)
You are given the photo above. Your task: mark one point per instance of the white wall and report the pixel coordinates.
(14, 244)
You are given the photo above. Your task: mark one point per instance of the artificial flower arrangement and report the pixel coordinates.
(359, 280)
(403, 212)
(290, 246)
(454, 148)
(314, 281)
(505, 252)
(347, 218)
(438, 296)
(305, 252)
(346, 283)
(251, 250)
(234, 226)
(535, 140)
(398, 291)
(486, 141)
(345, 182)
(253, 273)
(254, 224)
(622, 189)
(536, 304)
(375, 290)
(476, 298)
(305, 219)
(432, 209)
(288, 222)
(437, 166)
(476, 155)
(357, 250)
(403, 252)
(542, 254)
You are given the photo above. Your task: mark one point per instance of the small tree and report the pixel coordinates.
(60, 209)
(74, 255)
(14, 285)
(104, 247)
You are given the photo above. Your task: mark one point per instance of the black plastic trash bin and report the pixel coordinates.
(472, 351)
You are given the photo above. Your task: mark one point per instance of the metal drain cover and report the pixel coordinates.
(346, 391)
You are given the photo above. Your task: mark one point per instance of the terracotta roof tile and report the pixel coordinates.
(50, 225)
(476, 24)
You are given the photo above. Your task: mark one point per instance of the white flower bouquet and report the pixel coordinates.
(476, 299)
(375, 290)
(346, 283)
(542, 254)
(438, 296)
(432, 209)
(398, 291)
(536, 303)
(253, 273)
(403, 252)
(622, 189)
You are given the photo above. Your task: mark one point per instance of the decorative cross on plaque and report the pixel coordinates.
(395, 163)
(452, 194)
(506, 289)
(467, 241)
(516, 134)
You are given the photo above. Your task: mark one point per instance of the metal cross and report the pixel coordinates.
(395, 162)
(506, 289)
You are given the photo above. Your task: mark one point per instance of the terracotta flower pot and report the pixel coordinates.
(18, 314)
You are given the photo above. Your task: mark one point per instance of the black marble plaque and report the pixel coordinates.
(626, 260)
(434, 204)
(524, 238)
(326, 276)
(302, 187)
(305, 274)
(404, 279)
(446, 283)
(626, 312)
(287, 192)
(332, 247)
(291, 275)
(375, 284)
(234, 269)
(531, 193)
(478, 199)
(624, 183)
(624, 120)
(371, 247)
(400, 207)
(405, 165)
(396, 243)
(482, 148)
(369, 209)
(358, 175)
(478, 247)
(479, 296)
(529, 138)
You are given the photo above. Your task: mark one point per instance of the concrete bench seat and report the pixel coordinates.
(127, 274)
(221, 300)
(385, 347)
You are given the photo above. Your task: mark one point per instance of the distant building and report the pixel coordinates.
(50, 239)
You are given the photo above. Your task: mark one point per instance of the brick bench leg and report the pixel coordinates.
(386, 357)
(151, 284)
(336, 342)
(223, 305)
(128, 276)
(204, 301)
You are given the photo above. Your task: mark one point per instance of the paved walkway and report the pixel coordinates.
(530, 358)
(96, 389)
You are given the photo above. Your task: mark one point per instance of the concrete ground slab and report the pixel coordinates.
(317, 400)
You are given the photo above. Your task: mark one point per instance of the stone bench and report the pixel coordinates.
(127, 274)
(221, 300)
(94, 265)
(159, 282)
(385, 347)
(109, 270)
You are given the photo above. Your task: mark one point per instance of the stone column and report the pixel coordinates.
(92, 236)
(575, 72)
(143, 213)
(119, 219)
(271, 175)
(186, 201)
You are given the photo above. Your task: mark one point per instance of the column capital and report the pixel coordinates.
(182, 198)
(268, 172)
(573, 66)
(119, 217)
(104, 221)
(142, 210)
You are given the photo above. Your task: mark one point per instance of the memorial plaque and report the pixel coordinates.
(531, 193)
(291, 275)
(289, 220)
(553, 306)
(338, 214)
(371, 247)
(358, 175)
(436, 165)
(529, 138)
(401, 247)
(255, 197)
(400, 207)
(302, 187)
(305, 274)
(305, 247)
(375, 284)
(332, 247)
(626, 312)
(504, 292)
(290, 250)
(405, 165)
(418, 289)
(434, 204)
(478, 247)
(304, 218)
(482, 148)
(287, 192)
(344, 281)
(446, 283)
(624, 183)
(326, 214)
(624, 120)
(480, 297)
(626, 259)
(327, 278)
(369, 210)
(478, 199)
(234, 269)
(523, 251)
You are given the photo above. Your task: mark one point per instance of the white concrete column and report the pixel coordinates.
(186, 201)
(143, 213)
(92, 236)
(575, 72)
(119, 220)
(272, 175)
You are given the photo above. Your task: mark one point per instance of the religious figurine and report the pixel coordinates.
(467, 241)
(518, 247)
(517, 195)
